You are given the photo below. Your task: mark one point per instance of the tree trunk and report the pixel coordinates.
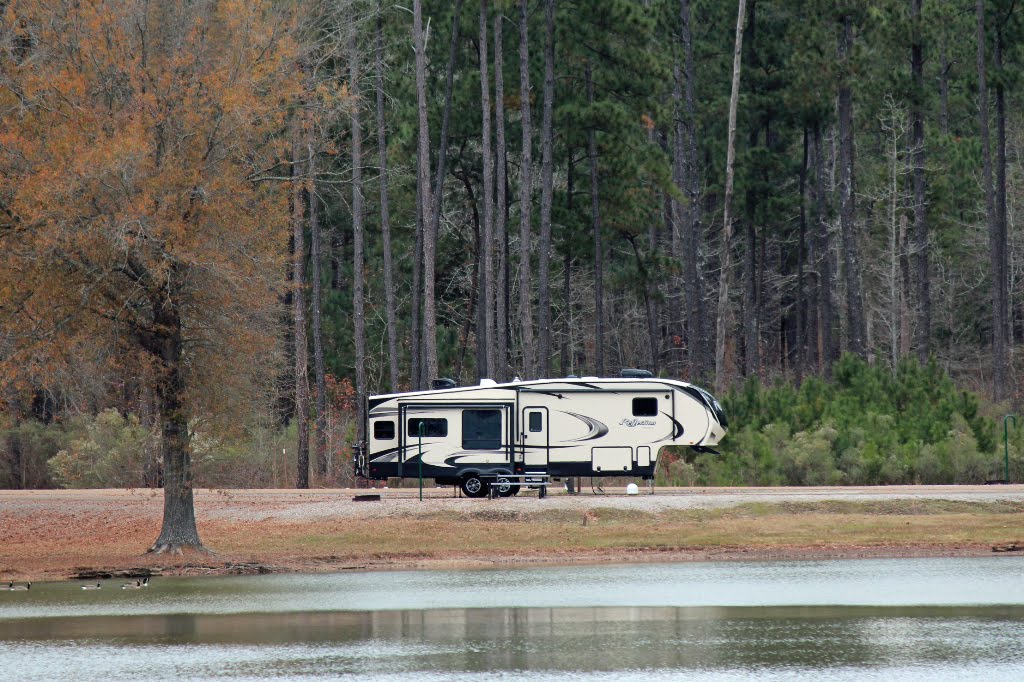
(299, 317)
(999, 364)
(905, 286)
(474, 316)
(678, 339)
(924, 303)
(178, 531)
(432, 198)
(501, 205)
(1001, 235)
(567, 350)
(828, 311)
(546, 194)
(847, 209)
(385, 213)
(751, 304)
(944, 88)
(319, 379)
(750, 299)
(698, 339)
(416, 317)
(358, 253)
(726, 244)
(650, 302)
(485, 336)
(595, 218)
(429, 368)
(525, 201)
(805, 253)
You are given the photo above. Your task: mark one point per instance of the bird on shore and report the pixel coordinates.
(19, 588)
(91, 587)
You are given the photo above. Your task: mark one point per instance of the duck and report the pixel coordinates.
(136, 585)
(91, 587)
(19, 588)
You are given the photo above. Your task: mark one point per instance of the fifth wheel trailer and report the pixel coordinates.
(555, 427)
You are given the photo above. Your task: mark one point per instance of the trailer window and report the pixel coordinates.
(481, 429)
(536, 422)
(384, 429)
(432, 428)
(645, 407)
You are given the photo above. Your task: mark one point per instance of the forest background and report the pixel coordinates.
(224, 223)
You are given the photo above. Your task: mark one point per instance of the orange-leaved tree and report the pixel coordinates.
(138, 231)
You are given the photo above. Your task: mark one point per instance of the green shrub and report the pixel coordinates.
(868, 426)
(109, 451)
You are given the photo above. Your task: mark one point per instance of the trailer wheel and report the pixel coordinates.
(473, 486)
(505, 487)
(513, 490)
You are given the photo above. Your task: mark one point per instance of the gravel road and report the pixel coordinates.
(311, 505)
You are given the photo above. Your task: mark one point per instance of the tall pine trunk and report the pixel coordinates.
(416, 316)
(676, 326)
(299, 314)
(857, 330)
(501, 206)
(723, 316)
(568, 356)
(805, 291)
(390, 304)
(828, 307)
(525, 201)
(358, 254)
(751, 304)
(999, 354)
(485, 335)
(595, 226)
(698, 339)
(1003, 328)
(319, 378)
(546, 195)
(429, 361)
(920, 248)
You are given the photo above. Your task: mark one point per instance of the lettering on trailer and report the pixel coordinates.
(638, 422)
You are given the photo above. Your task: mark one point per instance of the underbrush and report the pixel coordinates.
(868, 426)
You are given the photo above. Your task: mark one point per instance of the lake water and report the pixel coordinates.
(910, 619)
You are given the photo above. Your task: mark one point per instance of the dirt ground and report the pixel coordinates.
(57, 534)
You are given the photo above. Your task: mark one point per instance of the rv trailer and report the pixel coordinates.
(470, 435)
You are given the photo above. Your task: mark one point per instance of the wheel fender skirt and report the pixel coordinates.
(704, 448)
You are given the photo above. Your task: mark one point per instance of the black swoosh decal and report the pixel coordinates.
(597, 429)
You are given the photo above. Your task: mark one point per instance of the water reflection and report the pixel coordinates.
(915, 619)
(888, 582)
(528, 640)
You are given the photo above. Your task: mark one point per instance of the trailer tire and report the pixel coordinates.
(474, 486)
(505, 487)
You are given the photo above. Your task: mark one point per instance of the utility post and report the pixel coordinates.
(1006, 444)
(421, 460)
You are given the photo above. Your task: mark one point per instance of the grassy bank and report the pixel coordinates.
(754, 526)
(57, 534)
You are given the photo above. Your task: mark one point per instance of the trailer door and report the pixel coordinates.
(533, 437)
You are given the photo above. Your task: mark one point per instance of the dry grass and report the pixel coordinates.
(57, 540)
(757, 526)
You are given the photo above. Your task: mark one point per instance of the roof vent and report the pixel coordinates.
(635, 374)
(488, 382)
(442, 383)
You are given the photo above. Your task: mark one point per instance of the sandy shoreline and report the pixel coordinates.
(57, 534)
